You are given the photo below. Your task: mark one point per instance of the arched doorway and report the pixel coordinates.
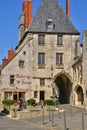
(64, 85)
(79, 96)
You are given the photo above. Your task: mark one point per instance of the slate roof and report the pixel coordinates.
(50, 9)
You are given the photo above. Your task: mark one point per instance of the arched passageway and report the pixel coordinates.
(79, 96)
(64, 87)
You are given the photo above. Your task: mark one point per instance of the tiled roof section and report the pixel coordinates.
(50, 9)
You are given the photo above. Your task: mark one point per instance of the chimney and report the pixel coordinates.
(4, 62)
(68, 8)
(10, 54)
(27, 9)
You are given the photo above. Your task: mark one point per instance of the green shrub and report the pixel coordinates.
(8, 102)
(48, 102)
(31, 102)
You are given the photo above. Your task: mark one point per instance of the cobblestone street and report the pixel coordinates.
(73, 118)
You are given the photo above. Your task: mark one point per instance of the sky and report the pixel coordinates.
(10, 11)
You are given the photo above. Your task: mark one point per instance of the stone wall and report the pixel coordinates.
(22, 75)
(28, 51)
(51, 69)
(85, 63)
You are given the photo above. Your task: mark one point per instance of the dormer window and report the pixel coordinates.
(49, 25)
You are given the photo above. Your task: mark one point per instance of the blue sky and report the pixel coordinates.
(9, 15)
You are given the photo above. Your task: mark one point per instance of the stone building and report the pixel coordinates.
(48, 58)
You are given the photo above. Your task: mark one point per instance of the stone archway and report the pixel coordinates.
(64, 85)
(79, 95)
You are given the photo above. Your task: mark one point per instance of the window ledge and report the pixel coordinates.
(12, 84)
(42, 86)
(22, 66)
(43, 44)
(42, 66)
(60, 66)
(60, 45)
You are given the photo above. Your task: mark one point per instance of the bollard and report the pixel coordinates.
(85, 108)
(43, 117)
(65, 127)
(71, 110)
(59, 113)
(14, 113)
(52, 118)
(83, 128)
(49, 115)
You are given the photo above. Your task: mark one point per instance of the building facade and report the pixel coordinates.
(48, 58)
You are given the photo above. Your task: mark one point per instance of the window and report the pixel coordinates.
(59, 58)
(35, 94)
(24, 52)
(59, 40)
(7, 95)
(42, 82)
(21, 63)
(49, 25)
(41, 39)
(41, 58)
(12, 78)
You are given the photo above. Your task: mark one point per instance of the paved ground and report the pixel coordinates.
(72, 118)
(10, 124)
